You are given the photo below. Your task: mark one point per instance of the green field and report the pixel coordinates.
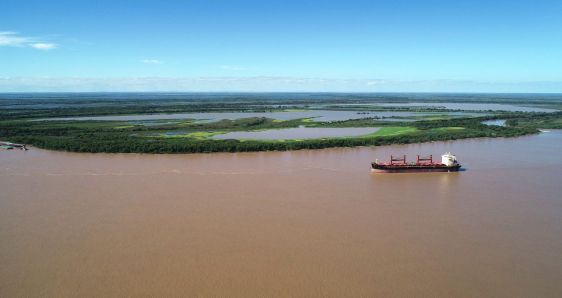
(198, 135)
(393, 131)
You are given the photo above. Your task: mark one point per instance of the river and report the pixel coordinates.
(302, 223)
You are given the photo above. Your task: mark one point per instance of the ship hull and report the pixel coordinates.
(377, 168)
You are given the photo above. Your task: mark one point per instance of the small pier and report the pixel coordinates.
(10, 146)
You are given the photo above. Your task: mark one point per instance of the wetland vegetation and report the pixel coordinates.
(29, 120)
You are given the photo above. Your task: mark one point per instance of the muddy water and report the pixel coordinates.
(306, 223)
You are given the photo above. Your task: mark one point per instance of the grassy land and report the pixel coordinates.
(392, 131)
(448, 128)
(198, 135)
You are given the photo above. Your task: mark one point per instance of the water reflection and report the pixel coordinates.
(498, 122)
(316, 115)
(447, 183)
(300, 132)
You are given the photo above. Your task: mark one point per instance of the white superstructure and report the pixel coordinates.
(448, 159)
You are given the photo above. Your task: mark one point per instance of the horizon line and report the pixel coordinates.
(289, 92)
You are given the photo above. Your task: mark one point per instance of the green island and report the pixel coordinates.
(41, 123)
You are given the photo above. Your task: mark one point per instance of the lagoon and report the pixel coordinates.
(481, 107)
(300, 132)
(470, 106)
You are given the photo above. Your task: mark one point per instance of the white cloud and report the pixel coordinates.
(44, 46)
(13, 39)
(151, 61)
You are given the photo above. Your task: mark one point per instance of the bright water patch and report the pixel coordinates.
(317, 115)
(494, 122)
(469, 106)
(457, 106)
(173, 133)
(300, 132)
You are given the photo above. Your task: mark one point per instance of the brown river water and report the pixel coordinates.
(302, 223)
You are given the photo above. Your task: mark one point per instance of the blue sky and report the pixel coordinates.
(235, 45)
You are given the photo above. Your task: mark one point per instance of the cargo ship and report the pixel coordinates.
(423, 164)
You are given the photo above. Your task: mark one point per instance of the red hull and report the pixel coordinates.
(386, 168)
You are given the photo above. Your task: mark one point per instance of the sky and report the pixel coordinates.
(249, 45)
